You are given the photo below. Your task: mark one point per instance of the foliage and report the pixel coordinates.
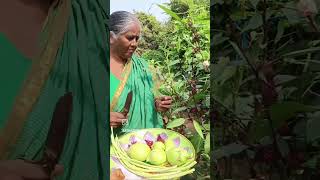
(265, 81)
(179, 51)
(150, 29)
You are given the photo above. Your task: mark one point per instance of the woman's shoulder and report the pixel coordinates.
(137, 60)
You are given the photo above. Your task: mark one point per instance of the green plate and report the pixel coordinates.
(125, 139)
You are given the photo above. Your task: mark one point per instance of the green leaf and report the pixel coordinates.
(314, 43)
(228, 73)
(280, 31)
(235, 46)
(283, 147)
(218, 39)
(238, 15)
(313, 126)
(300, 129)
(172, 63)
(254, 22)
(207, 144)
(169, 12)
(228, 150)
(207, 126)
(175, 123)
(280, 79)
(207, 158)
(261, 128)
(254, 3)
(243, 106)
(312, 162)
(197, 142)
(198, 128)
(216, 2)
(251, 154)
(253, 35)
(283, 111)
(291, 13)
(266, 141)
(179, 110)
(218, 68)
(269, 14)
(302, 52)
(198, 97)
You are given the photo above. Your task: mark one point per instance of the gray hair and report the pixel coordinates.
(120, 22)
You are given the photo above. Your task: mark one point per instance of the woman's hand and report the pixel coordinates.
(117, 119)
(163, 104)
(117, 175)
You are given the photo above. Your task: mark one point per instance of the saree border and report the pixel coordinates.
(123, 82)
(54, 29)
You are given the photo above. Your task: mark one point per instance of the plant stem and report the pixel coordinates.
(265, 30)
(312, 23)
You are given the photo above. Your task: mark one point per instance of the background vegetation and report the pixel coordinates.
(265, 89)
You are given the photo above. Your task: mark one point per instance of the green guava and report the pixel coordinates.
(139, 151)
(157, 157)
(169, 144)
(177, 156)
(159, 145)
(184, 155)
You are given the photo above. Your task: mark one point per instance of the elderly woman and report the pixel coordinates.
(131, 74)
(72, 57)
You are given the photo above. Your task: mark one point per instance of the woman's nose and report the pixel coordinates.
(134, 43)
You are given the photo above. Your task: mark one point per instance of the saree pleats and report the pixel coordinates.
(81, 67)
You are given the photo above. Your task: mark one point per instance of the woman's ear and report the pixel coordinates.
(112, 37)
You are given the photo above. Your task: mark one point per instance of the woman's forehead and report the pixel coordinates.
(133, 29)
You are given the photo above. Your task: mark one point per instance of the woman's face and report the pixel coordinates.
(126, 43)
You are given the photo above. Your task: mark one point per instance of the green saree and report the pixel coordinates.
(139, 79)
(74, 58)
(114, 84)
(10, 82)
